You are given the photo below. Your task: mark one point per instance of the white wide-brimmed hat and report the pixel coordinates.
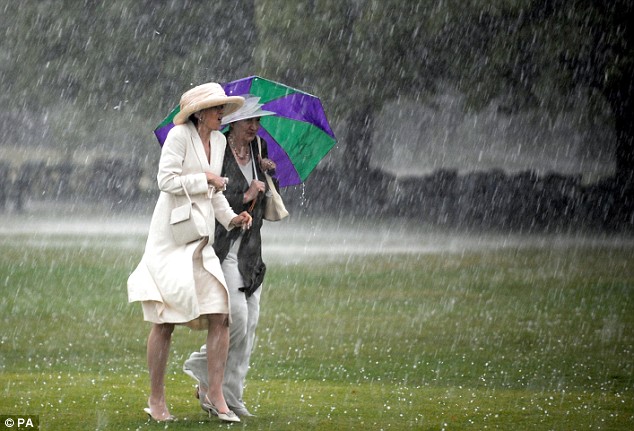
(252, 108)
(206, 96)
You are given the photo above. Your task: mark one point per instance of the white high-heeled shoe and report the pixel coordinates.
(171, 418)
(227, 416)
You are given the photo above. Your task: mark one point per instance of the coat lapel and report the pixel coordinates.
(218, 143)
(197, 144)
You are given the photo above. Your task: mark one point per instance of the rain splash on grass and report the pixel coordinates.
(430, 331)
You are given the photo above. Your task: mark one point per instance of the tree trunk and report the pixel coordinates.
(366, 188)
(624, 127)
(359, 141)
(620, 91)
(621, 99)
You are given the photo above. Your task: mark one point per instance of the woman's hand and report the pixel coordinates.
(267, 165)
(218, 182)
(254, 189)
(242, 220)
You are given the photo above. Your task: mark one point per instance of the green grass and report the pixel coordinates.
(516, 339)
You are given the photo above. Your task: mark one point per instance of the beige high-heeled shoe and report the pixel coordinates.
(227, 416)
(171, 418)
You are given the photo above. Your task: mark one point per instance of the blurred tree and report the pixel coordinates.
(529, 53)
(107, 71)
(543, 54)
(355, 55)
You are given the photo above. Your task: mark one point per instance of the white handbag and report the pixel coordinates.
(274, 208)
(187, 222)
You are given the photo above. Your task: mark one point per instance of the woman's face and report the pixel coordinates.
(212, 117)
(245, 130)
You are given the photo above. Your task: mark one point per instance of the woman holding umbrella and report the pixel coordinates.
(240, 251)
(184, 284)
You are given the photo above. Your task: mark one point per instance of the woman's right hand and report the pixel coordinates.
(254, 189)
(242, 220)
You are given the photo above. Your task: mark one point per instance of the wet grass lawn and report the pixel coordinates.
(514, 339)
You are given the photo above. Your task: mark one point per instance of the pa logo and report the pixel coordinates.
(19, 422)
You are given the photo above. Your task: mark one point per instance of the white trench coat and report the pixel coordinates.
(165, 274)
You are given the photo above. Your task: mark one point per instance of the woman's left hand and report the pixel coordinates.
(243, 220)
(267, 165)
(218, 182)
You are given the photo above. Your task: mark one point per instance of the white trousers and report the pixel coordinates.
(245, 313)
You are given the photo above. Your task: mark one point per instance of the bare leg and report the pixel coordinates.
(217, 348)
(158, 347)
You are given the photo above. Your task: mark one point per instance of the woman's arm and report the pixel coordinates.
(226, 216)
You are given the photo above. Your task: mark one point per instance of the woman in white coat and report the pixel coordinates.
(184, 284)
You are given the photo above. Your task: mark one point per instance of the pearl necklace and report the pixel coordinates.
(244, 156)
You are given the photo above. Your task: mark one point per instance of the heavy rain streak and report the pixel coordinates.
(459, 251)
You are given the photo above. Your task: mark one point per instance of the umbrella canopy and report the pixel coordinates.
(298, 135)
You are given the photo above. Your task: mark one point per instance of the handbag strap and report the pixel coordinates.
(253, 167)
(184, 157)
(269, 180)
(271, 185)
(186, 194)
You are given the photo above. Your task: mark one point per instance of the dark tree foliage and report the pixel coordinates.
(105, 72)
(96, 67)
(542, 53)
(529, 53)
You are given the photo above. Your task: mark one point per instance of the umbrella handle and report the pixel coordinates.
(252, 204)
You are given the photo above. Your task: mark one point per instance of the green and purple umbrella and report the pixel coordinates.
(298, 135)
